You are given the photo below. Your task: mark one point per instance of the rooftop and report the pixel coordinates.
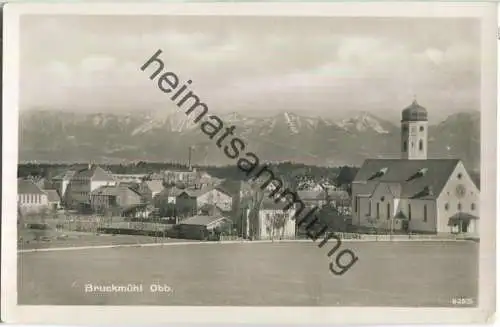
(202, 220)
(414, 112)
(408, 178)
(28, 187)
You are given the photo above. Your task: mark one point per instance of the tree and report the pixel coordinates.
(346, 177)
(257, 197)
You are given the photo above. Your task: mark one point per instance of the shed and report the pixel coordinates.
(199, 227)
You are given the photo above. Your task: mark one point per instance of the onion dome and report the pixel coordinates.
(414, 112)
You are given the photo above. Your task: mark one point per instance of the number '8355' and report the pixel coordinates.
(462, 301)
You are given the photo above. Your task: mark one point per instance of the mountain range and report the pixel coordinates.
(57, 136)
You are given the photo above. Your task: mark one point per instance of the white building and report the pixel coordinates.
(273, 222)
(415, 193)
(30, 197)
(83, 182)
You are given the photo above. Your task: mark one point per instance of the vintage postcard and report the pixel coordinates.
(305, 163)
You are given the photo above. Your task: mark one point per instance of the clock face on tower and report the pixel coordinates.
(460, 191)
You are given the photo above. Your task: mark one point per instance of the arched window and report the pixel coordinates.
(459, 206)
(405, 146)
(420, 145)
(409, 211)
(421, 128)
(369, 207)
(472, 206)
(425, 212)
(378, 210)
(388, 210)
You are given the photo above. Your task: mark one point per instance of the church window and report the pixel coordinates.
(355, 204)
(388, 211)
(405, 146)
(369, 207)
(446, 206)
(412, 145)
(425, 212)
(421, 128)
(378, 210)
(459, 206)
(459, 176)
(409, 211)
(420, 145)
(472, 206)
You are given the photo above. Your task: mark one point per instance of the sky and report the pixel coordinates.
(314, 66)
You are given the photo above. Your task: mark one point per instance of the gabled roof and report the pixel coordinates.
(66, 175)
(202, 220)
(96, 173)
(53, 196)
(105, 190)
(155, 185)
(28, 187)
(424, 179)
(211, 208)
(112, 190)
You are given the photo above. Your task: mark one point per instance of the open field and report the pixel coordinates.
(271, 274)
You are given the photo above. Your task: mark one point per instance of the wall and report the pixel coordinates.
(216, 197)
(448, 201)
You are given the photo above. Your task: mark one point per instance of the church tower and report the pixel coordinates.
(414, 132)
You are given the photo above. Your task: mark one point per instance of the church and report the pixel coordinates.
(415, 194)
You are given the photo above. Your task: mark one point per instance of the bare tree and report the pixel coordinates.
(328, 198)
(255, 205)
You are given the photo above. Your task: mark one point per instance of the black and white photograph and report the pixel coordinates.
(248, 157)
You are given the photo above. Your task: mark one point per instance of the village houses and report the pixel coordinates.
(83, 182)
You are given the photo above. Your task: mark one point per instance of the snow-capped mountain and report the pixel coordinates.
(163, 136)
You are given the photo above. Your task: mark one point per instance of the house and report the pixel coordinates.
(155, 186)
(166, 201)
(313, 198)
(43, 183)
(155, 177)
(53, 199)
(415, 193)
(114, 197)
(185, 175)
(83, 182)
(141, 210)
(61, 182)
(30, 197)
(188, 201)
(141, 188)
(213, 195)
(210, 210)
(270, 221)
(129, 178)
(200, 227)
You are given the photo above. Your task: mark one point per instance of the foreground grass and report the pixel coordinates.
(279, 274)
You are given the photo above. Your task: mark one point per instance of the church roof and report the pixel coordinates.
(422, 179)
(414, 112)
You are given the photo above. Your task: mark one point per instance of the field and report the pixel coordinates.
(255, 274)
